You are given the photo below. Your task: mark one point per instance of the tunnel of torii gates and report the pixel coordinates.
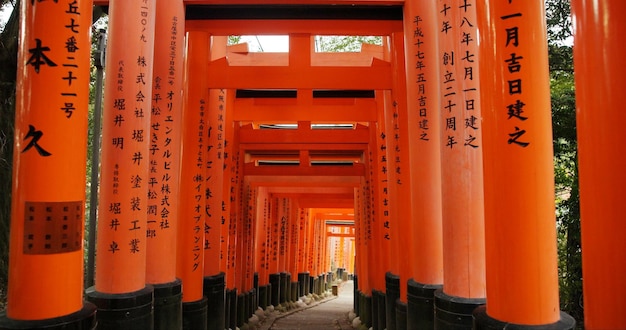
(231, 179)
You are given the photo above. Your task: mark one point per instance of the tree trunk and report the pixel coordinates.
(8, 63)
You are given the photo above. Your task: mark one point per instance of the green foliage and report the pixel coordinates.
(344, 43)
(8, 65)
(233, 40)
(565, 156)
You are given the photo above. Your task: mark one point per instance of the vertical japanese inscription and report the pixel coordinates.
(198, 192)
(420, 77)
(512, 75)
(384, 196)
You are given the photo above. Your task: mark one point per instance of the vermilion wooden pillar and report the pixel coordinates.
(230, 210)
(293, 249)
(274, 241)
(214, 277)
(363, 238)
(598, 53)
(191, 211)
(301, 256)
(48, 191)
(401, 182)
(382, 220)
(422, 83)
(521, 259)
(162, 182)
(237, 231)
(283, 218)
(262, 247)
(461, 166)
(392, 277)
(120, 281)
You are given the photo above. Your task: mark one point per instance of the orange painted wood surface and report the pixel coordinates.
(461, 153)
(425, 163)
(214, 194)
(52, 95)
(165, 139)
(518, 164)
(190, 265)
(122, 206)
(599, 86)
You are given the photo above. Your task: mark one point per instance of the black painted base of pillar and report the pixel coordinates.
(393, 293)
(254, 302)
(482, 321)
(84, 319)
(358, 296)
(366, 318)
(213, 287)
(255, 294)
(168, 308)
(194, 314)
(302, 291)
(421, 304)
(311, 284)
(130, 311)
(382, 310)
(374, 310)
(227, 309)
(232, 314)
(356, 291)
(284, 288)
(241, 310)
(295, 291)
(275, 289)
(454, 313)
(263, 295)
(401, 315)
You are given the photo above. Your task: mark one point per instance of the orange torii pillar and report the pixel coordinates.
(319, 248)
(252, 277)
(521, 258)
(301, 257)
(461, 167)
(599, 85)
(283, 240)
(244, 265)
(120, 281)
(372, 238)
(163, 176)
(236, 235)
(230, 211)
(306, 253)
(263, 228)
(192, 182)
(323, 256)
(274, 273)
(361, 218)
(311, 244)
(214, 277)
(294, 221)
(390, 193)
(401, 186)
(224, 148)
(422, 83)
(384, 222)
(48, 192)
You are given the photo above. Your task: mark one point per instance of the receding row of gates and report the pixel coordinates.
(231, 179)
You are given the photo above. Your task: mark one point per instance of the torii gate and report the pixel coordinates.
(434, 132)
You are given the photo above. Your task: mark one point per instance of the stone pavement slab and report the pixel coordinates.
(330, 313)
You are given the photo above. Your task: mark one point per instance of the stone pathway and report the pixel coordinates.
(331, 314)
